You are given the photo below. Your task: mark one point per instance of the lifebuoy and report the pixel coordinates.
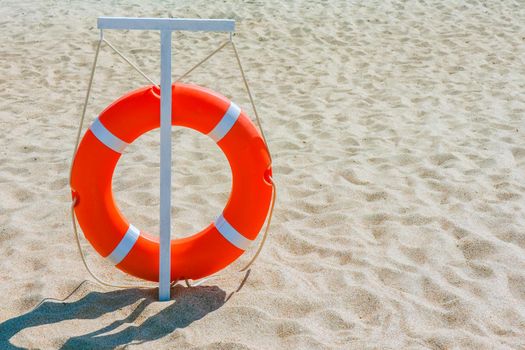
(137, 252)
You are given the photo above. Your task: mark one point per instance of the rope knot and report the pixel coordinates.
(75, 198)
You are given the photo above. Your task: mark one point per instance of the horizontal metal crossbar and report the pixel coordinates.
(187, 24)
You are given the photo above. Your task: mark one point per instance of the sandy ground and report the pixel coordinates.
(397, 131)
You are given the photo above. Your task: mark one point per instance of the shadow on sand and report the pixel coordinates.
(192, 303)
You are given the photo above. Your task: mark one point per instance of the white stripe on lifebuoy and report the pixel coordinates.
(106, 137)
(126, 244)
(231, 234)
(226, 123)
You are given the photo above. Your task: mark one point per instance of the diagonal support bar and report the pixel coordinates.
(127, 60)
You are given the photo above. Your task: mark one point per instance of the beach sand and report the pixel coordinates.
(397, 132)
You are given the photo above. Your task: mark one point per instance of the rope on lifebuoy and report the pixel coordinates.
(188, 72)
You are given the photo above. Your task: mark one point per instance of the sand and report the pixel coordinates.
(397, 131)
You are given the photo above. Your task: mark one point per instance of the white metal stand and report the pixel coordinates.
(166, 26)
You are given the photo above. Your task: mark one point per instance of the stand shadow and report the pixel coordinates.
(191, 304)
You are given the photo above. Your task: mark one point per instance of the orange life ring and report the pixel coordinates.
(137, 252)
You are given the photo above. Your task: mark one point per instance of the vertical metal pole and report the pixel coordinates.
(165, 166)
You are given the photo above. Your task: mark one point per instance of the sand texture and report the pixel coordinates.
(398, 136)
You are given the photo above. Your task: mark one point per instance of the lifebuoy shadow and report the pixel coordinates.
(192, 303)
